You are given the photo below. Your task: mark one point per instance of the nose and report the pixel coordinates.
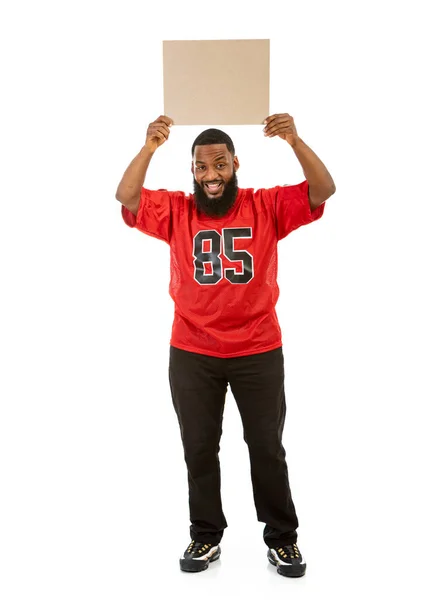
(211, 175)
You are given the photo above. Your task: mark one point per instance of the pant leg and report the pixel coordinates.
(198, 391)
(257, 384)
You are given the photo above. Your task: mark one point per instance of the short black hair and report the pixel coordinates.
(214, 136)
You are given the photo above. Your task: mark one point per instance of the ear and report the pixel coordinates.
(192, 168)
(236, 163)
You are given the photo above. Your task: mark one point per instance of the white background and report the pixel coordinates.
(94, 485)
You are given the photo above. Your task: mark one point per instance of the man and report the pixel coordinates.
(223, 244)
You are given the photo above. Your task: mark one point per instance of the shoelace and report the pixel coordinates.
(197, 547)
(290, 551)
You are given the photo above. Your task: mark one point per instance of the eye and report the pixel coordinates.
(200, 168)
(220, 166)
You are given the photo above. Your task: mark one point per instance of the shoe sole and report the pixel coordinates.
(196, 566)
(291, 571)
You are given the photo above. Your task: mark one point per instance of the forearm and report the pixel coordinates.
(320, 181)
(128, 191)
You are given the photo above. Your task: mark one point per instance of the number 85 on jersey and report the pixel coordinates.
(207, 249)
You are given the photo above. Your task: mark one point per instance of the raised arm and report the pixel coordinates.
(129, 188)
(321, 184)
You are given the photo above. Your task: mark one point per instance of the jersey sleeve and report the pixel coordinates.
(292, 208)
(154, 215)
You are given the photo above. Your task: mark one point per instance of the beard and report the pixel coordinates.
(216, 207)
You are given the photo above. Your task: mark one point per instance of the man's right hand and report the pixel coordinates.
(158, 132)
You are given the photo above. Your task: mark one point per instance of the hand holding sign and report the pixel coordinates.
(283, 126)
(158, 132)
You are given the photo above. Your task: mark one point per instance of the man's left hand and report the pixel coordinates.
(283, 126)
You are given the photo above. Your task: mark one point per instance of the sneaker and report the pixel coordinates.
(288, 560)
(198, 556)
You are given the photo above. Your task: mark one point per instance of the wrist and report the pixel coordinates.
(296, 142)
(148, 150)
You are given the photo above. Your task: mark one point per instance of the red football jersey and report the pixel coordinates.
(224, 269)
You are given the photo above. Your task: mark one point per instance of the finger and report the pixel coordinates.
(278, 125)
(156, 130)
(269, 120)
(160, 127)
(159, 136)
(164, 119)
(277, 120)
(281, 131)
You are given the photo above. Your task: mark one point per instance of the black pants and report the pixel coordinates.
(198, 387)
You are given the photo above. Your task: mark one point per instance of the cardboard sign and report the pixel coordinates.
(216, 82)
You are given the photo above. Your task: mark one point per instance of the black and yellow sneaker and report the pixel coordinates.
(288, 560)
(198, 556)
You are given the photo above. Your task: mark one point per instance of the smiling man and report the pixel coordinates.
(214, 169)
(223, 243)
